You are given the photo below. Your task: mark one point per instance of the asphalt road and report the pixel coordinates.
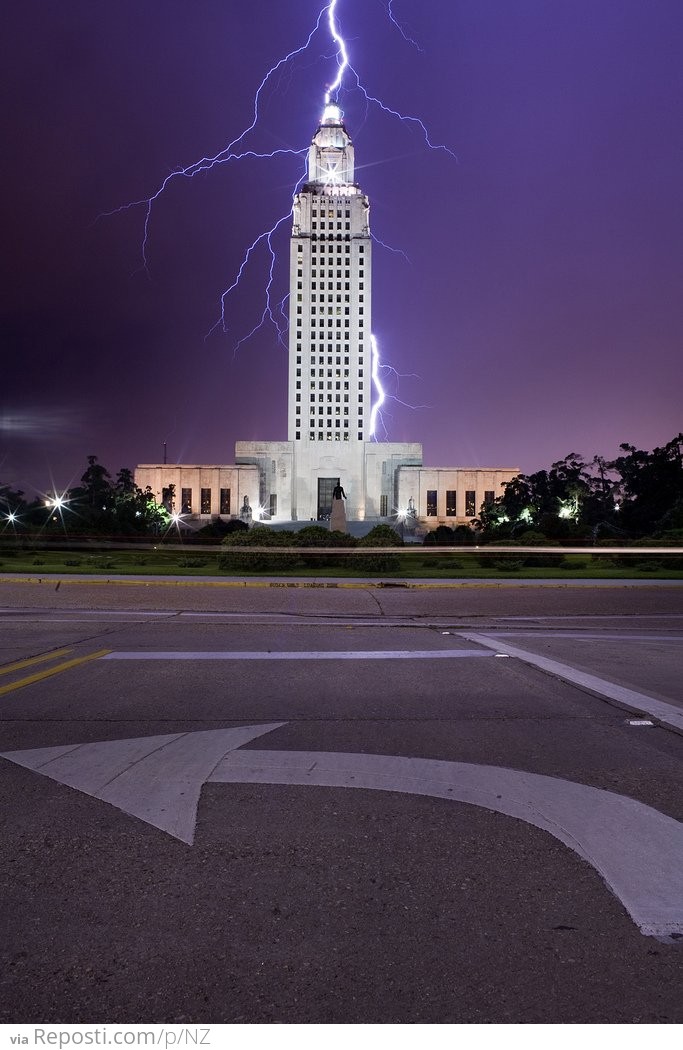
(278, 804)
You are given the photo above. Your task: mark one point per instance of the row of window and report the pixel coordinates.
(313, 361)
(186, 503)
(330, 213)
(330, 284)
(330, 323)
(328, 435)
(327, 411)
(300, 249)
(321, 348)
(452, 502)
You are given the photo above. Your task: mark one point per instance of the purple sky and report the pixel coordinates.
(540, 310)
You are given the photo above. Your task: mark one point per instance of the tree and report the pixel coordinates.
(651, 485)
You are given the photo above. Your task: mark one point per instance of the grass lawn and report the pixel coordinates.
(414, 564)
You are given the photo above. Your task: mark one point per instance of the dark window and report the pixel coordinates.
(383, 509)
(431, 503)
(186, 501)
(225, 501)
(450, 503)
(167, 497)
(489, 497)
(470, 504)
(205, 504)
(273, 504)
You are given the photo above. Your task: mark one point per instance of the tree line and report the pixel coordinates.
(100, 505)
(637, 494)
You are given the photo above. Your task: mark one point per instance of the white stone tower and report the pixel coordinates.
(330, 386)
(330, 354)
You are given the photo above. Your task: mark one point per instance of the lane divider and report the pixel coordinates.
(39, 676)
(30, 661)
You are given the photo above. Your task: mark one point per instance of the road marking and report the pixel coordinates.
(48, 672)
(636, 849)
(354, 654)
(665, 714)
(43, 658)
(587, 636)
(157, 778)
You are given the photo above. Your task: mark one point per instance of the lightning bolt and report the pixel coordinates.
(392, 18)
(237, 150)
(376, 412)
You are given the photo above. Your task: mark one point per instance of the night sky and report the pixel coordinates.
(540, 307)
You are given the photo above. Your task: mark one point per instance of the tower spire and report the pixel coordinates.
(331, 156)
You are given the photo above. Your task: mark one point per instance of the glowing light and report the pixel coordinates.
(332, 114)
(56, 502)
(11, 517)
(381, 396)
(569, 508)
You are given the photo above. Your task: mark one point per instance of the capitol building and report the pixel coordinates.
(331, 411)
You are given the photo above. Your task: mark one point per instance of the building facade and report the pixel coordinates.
(330, 420)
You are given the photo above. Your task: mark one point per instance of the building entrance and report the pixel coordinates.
(325, 490)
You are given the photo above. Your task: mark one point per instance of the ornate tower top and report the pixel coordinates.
(330, 156)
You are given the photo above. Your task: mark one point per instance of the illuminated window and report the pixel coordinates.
(431, 503)
(470, 503)
(186, 501)
(225, 501)
(205, 502)
(451, 503)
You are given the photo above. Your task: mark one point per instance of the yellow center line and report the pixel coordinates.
(40, 675)
(20, 664)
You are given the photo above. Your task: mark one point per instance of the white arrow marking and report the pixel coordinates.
(636, 849)
(155, 778)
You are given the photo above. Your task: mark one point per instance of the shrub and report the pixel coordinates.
(506, 563)
(72, 562)
(238, 557)
(220, 528)
(441, 536)
(463, 536)
(319, 536)
(443, 564)
(371, 563)
(192, 563)
(530, 538)
(380, 536)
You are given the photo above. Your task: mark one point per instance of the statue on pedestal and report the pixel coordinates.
(245, 512)
(338, 515)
